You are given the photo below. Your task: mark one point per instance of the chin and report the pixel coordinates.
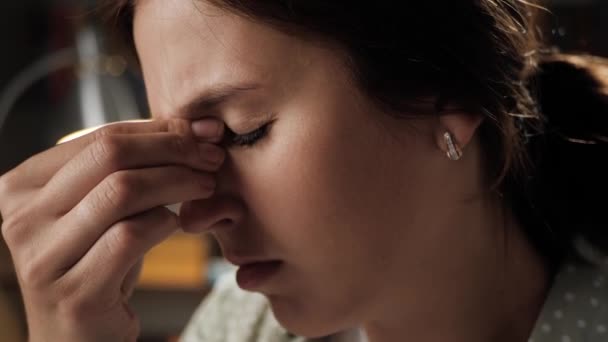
(304, 318)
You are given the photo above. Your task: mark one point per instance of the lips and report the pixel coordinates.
(239, 260)
(254, 275)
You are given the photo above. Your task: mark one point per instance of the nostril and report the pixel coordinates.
(224, 222)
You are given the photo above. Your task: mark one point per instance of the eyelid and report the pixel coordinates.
(247, 139)
(251, 123)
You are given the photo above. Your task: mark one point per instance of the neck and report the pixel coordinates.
(488, 284)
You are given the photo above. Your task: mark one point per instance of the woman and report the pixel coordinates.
(376, 173)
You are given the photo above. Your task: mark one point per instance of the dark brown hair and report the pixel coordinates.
(545, 131)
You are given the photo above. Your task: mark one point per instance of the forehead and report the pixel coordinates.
(188, 46)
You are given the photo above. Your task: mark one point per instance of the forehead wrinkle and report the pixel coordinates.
(174, 21)
(187, 79)
(162, 16)
(231, 38)
(200, 28)
(237, 50)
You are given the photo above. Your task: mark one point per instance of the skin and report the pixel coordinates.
(77, 253)
(374, 226)
(371, 220)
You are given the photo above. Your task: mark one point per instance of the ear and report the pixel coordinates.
(461, 125)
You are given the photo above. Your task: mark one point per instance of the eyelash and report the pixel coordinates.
(249, 139)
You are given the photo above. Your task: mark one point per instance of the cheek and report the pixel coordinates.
(331, 208)
(337, 196)
(327, 183)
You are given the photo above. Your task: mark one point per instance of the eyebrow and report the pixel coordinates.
(214, 97)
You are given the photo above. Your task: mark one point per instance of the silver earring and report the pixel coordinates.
(453, 152)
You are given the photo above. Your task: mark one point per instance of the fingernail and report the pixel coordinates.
(212, 153)
(208, 128)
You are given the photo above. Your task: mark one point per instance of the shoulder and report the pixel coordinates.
(229, 314)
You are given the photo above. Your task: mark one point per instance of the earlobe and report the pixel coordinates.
(455, 131)
(453, 148)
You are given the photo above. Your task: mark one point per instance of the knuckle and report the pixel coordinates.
(107, 151)
(119, 188)
(8, 183)
(14, 228)
(108, 130)
(7, 230)
(122, 237)
(32, 273)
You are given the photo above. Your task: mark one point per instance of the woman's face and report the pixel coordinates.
(340, 192)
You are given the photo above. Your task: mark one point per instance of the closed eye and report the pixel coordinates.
(248, 139)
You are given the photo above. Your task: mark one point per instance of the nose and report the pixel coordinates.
(224, 209)
(205, 215)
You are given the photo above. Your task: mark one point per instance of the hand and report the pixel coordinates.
(79, 217)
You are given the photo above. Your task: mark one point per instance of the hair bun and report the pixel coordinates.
(572, 93)
(569, 186)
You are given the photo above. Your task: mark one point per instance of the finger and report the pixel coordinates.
(121, 152)
(123, 194)
(12, 196)
(107, 265)
(37, 170)
(130, 280)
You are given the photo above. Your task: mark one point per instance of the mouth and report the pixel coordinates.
(251, 276)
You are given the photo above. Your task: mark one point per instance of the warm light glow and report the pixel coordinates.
(85, 131)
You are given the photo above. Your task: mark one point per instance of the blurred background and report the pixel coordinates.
(60, 71)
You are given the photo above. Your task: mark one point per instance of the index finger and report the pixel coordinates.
(37, 170)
